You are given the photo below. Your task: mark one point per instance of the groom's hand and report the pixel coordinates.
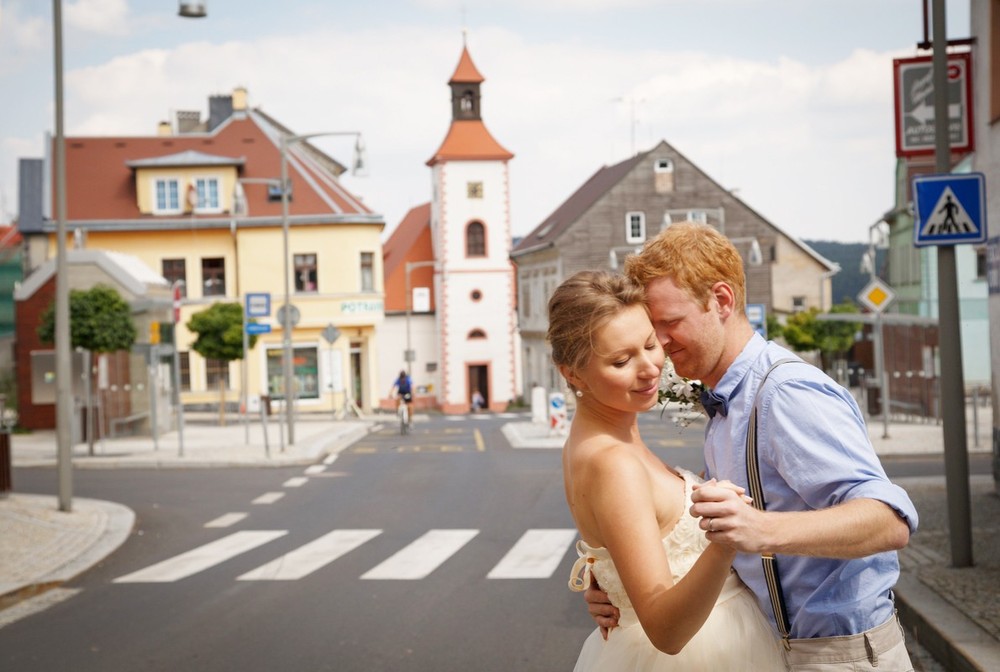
(601, 610)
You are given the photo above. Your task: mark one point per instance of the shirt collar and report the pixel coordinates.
(732, 379)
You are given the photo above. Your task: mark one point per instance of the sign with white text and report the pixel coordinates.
(913, 80)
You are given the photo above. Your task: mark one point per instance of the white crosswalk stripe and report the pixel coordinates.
(536, 555)
(226, 520)
(201, 558)
(307, 559)
(423, 556)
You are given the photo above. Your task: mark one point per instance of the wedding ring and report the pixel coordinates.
(711, 524)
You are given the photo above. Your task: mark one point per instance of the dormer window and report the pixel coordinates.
(167, 200)
(207, 189)
(697, 216)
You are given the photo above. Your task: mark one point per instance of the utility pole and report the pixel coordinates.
(956, 458)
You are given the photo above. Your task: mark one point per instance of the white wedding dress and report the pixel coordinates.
(735, 637)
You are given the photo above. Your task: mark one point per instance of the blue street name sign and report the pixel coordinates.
(258, 304)
(757, 315)
(950, 209)
(256, 329)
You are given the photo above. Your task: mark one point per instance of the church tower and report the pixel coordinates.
(470, 230)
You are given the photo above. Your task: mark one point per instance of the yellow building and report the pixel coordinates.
(202, 204)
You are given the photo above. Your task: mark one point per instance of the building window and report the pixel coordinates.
(213, 276)
(305, 372)
(167, 199)
(798, 304)
(175, 270)
(981, 262)
(367, 272)
(475, 240)
(477, 333)
(663, 166)
(207, 189)
(698, 216)
(466, 102)
(305, 273)
(525, 301)
(474, 189)
(476, 295)
(635, 227)
(216, 374)
(185, 362)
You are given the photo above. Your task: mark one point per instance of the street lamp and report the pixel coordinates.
(64, 390)
(192, 9)
(878, 238)
(410, 265)
(360, 164)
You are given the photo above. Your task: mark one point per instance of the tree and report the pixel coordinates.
(220, 336)
(803, 332)
(99, 320)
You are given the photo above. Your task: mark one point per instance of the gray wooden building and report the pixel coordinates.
(621, 207)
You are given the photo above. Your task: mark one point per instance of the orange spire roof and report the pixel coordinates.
(468, 140)
(466, 71)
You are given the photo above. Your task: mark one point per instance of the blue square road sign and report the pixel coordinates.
(950, 209)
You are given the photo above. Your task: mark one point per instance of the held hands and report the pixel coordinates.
(727, 517)
(601, 610)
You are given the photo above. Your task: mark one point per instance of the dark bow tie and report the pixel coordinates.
(714, 403)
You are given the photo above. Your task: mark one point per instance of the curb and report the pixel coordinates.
(955, 641)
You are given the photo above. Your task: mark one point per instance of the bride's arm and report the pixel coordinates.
(620, 493)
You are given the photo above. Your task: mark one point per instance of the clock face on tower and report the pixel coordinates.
(475, 189)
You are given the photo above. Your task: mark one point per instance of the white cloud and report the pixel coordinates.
(103, 17)
(774, 129)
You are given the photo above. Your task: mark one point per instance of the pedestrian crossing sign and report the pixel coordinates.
(950, 209)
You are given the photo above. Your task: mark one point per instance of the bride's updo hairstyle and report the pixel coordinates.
(580, 306)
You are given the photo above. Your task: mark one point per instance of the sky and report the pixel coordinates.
(787, 103)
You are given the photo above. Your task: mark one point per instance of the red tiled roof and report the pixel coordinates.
(466, 71)
(101, 185)
(409, 241)
(468, 140)
(9, 236)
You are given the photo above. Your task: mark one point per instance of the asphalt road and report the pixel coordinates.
(454, 491)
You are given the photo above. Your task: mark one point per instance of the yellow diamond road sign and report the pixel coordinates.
(876, 295)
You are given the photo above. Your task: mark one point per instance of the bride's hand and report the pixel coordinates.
(739, 490)
(601, 610)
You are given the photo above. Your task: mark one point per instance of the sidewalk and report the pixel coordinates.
(954, 613)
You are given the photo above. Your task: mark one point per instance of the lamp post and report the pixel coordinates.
(877, 240)
(409, 354)
(64, 368)
(286, 314)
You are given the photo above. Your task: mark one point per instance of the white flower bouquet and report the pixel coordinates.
(675, 388)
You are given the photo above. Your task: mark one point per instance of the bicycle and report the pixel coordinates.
(403, 411)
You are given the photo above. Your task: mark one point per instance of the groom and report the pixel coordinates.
(833, 519)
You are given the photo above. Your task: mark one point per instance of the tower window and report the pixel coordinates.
(466, 103)
(475, 240)
(474, 189)
(477, 333)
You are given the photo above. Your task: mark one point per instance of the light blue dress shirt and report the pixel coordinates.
(814, 452)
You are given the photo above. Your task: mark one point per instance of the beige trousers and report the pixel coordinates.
(881, 649)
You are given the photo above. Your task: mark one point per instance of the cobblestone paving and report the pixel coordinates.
(975, 590)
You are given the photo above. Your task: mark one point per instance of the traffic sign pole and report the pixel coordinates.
(956, 459)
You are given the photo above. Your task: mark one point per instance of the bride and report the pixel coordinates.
(681, 606)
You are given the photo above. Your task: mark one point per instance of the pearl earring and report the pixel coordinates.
(579, 393)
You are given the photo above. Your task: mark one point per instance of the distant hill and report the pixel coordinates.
(850, 281)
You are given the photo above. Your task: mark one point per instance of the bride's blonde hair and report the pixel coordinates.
(580, 306)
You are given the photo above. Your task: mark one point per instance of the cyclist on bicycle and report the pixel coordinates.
(402, 389)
